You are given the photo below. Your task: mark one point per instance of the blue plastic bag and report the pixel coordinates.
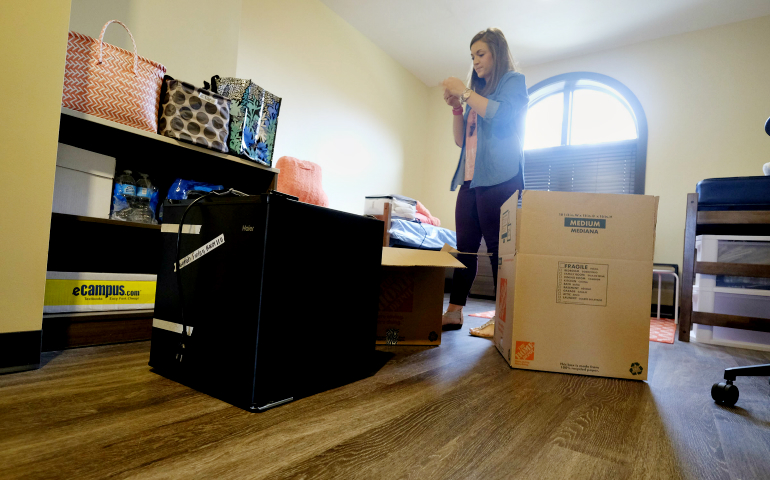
(181, 188)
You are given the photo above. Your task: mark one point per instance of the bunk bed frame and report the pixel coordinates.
(722, 222)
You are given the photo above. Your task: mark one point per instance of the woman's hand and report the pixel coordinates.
(452, 100)
(454, 86)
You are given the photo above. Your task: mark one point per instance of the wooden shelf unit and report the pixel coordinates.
(87, 244)
(723, 222)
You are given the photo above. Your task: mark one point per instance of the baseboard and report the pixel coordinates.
(72, 330)
(20, 351)
(666, 311)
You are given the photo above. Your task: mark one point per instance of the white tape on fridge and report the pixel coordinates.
(201, 252)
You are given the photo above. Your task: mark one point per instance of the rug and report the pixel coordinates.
(663, 330)
(488, 314)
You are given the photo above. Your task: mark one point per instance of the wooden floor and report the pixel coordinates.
(455, 411)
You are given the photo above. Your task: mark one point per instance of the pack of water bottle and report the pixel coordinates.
(134, 200)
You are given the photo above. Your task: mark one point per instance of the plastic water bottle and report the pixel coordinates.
(123, 198)
(142, 212)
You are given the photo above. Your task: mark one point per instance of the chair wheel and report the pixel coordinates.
(724, 393)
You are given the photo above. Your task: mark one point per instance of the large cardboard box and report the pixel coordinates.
(412, 296)
(574, 283)
(83, 182)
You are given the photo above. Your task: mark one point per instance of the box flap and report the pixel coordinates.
(85, 161)
(449, 249)
(507, 237)
(588, 225)
(655, 226)
(407, 257)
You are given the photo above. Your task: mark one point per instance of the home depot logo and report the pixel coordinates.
(585, 225)
(525, 351)
(397, 290)
(502, 300)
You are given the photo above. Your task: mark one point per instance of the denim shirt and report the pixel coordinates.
(499, 153)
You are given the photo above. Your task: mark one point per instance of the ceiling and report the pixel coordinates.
(430, 37)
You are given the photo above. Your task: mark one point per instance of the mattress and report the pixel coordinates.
(737, 193)
(408, 234)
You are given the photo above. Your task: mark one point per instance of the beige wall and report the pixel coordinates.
(346, 105)
(193, 39)
(441, 159)
(33, 41)
(706, 95)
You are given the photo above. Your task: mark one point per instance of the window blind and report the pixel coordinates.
(598, 168)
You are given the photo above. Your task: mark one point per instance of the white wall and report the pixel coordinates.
(706, 95)
(193, 39)
(346, 104)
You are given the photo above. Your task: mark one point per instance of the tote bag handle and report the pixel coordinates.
(101, 43)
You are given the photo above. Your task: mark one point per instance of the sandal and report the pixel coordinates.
(485, 331)
(452, 320)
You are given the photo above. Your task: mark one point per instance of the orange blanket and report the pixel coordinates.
(425, 217)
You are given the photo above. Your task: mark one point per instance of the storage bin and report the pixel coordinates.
(400, 207)
(83, 182)
(95, 292)
(732, 301)
(732, 249)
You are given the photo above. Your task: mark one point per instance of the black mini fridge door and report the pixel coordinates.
(222, 250)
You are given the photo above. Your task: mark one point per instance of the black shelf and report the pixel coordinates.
(87, 244)
(63, 217)
(162, 158)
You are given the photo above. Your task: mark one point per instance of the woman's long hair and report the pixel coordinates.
(501, 54)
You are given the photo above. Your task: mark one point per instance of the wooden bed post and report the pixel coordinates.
(688, 267)
(385, 217)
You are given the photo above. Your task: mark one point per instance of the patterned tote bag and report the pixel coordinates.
(108, 82)
(246, 99)
(268, 127)
(254, 118)
(194, 115)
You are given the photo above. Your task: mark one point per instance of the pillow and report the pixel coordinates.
(301, 179)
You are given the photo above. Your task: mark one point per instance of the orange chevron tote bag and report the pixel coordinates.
(106, 81)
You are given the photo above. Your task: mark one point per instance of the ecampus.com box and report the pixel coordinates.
(574, 283)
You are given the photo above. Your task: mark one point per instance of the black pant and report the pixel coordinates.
(477, 214)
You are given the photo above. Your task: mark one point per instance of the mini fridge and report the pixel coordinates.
(279, 298)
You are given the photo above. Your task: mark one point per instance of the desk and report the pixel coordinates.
(660, 274)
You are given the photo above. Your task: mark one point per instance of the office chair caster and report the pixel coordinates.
(725, 393)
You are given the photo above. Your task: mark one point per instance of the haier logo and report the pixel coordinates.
(585, 225)
(247, 228)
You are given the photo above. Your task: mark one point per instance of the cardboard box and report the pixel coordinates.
(412, 296)
(83, 182)
(94, 292)
(574, 287)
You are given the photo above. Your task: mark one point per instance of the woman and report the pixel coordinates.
(491, 134)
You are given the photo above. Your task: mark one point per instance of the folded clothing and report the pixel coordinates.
(402, 209)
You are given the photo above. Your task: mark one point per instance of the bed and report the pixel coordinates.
(723, 207)
(401, 233)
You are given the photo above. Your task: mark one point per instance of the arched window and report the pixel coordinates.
(586, 132)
